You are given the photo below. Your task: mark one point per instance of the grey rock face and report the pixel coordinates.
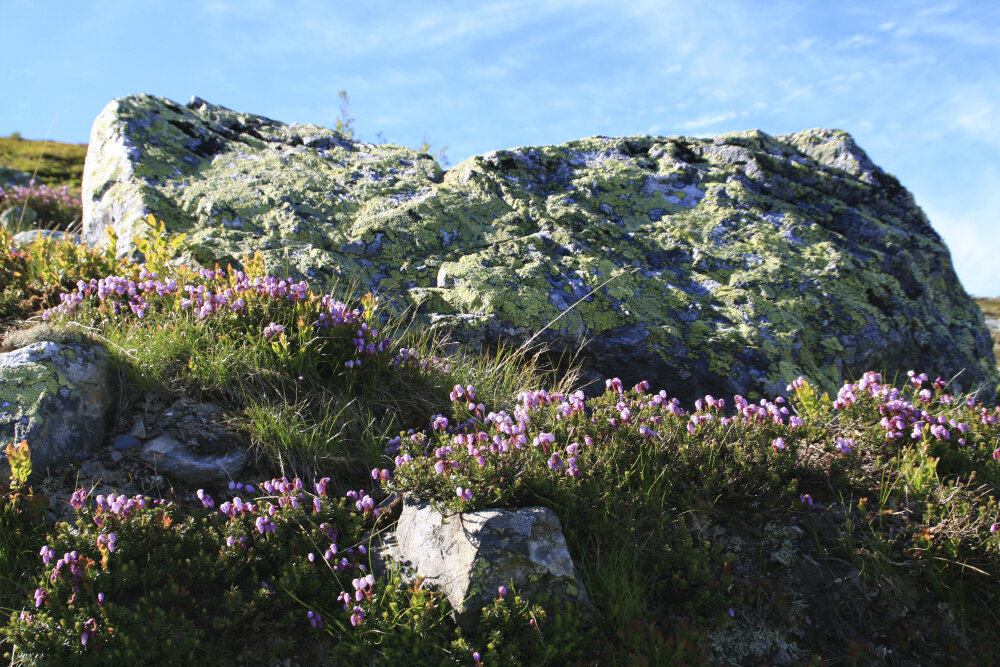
(469, 556)
(722, 266)
(57, 397)
(171, 457)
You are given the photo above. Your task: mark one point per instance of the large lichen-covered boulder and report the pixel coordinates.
(469, 556)
(56, 397)
(726, 265)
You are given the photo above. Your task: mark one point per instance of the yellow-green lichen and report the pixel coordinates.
(24, 387)
(770, 255)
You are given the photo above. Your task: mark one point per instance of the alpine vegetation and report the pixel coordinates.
(273, 437)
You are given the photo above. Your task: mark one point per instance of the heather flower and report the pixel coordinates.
(41, 597)
(364, 503)
(571, 469)
(273, 330)
(265, 525)
(315, 619)
(778, 444)
(544, 439)
(78, 499)
(205, 499)
(940, 432)
(807, 499)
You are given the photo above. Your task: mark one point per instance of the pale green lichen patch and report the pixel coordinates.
(734, 263)
(23, 389)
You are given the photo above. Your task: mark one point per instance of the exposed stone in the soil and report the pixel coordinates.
(10, 177)
(468, 556)
(56, 397)
(171, 457)
(27, 236)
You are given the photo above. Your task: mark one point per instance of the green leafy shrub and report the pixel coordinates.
(22, 528)
(35, 274)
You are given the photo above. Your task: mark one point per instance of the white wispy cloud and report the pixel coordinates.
(855, 42)
(707, 120)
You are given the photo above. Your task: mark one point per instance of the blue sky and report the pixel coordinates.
(917, 83)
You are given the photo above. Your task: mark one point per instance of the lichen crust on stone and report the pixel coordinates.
(725, 265)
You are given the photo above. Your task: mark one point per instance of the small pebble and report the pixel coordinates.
(138, 429)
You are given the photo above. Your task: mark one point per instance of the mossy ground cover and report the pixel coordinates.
(860, 527)
(51, 162)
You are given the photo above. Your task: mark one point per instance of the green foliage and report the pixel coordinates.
(518, 631)
(152, 583)
(22, 533)
(158, 248)
(22, 528)
(33, 275)
(19, 460)
(648, 493)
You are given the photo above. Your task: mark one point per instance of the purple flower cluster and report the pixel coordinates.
(39, 193)
(264, 508)
(113, 504)
(461, 455)
(902, 416)
(53, 204)
(219, 293)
